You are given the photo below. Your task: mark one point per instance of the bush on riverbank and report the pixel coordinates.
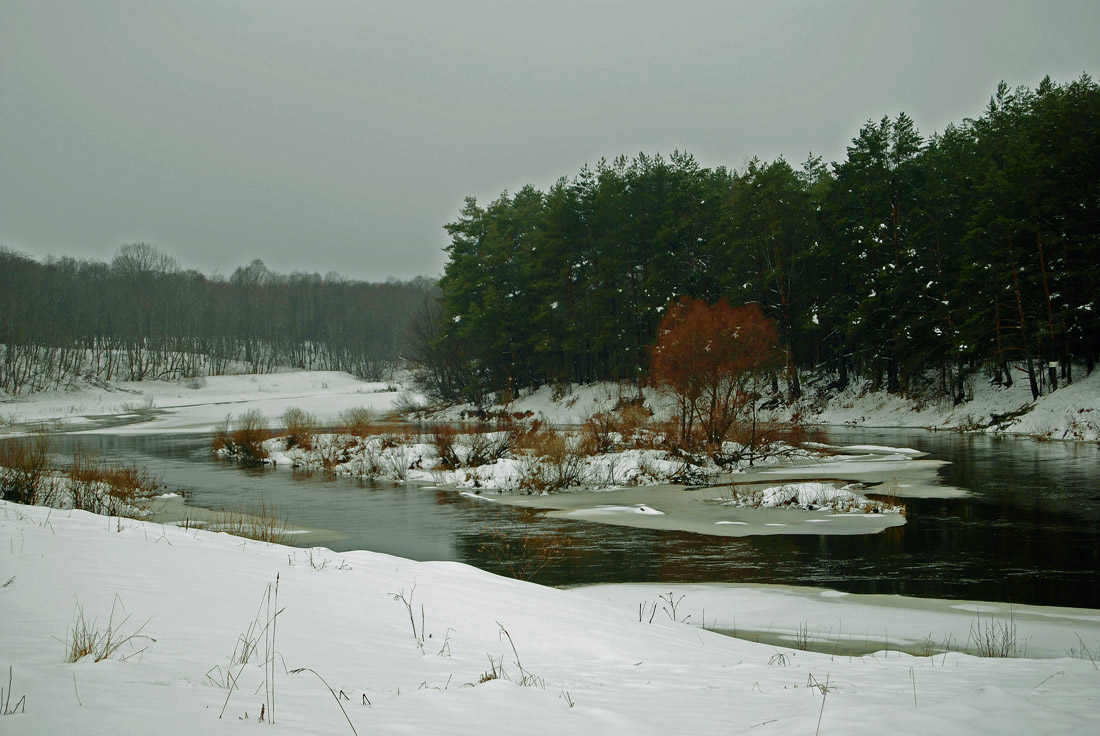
(28, 475)
(244, 437)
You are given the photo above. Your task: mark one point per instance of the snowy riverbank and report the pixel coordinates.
(1070, 413)
(571, 661)
(154, 407)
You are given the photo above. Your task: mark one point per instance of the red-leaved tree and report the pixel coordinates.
(711, 359)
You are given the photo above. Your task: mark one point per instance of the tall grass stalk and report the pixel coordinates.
(87, 640)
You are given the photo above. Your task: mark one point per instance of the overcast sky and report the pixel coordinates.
(324, 136)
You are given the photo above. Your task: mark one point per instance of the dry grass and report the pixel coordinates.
(259, 523)
(29, 476)
(6, 708)
(85, 639)
(519, 549)
(887, 494)
(553, 461)
(994, 637)
(629, 426)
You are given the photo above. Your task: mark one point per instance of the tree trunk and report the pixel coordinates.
(1023, 324)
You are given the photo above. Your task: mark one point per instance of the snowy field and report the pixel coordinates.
(578, 662)
(163, 407)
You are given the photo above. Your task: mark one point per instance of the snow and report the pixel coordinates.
(1070, 413)
(706, 511)
(611, 509)
(610, 470)
(808, 496)
(833, 619)
(590, 665)
(573, 407)
(880, 449)
(165, 407)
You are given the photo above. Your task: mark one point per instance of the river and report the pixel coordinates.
(1028, 532)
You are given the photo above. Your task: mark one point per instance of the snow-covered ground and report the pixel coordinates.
(574, 662)
(1070, 413)
(162, 407)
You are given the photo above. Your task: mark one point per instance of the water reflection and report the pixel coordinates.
(1029, 533)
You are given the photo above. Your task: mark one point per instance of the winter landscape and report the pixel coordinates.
(577, 368)
(202, 631)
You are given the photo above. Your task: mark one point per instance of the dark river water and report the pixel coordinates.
(1028, 533)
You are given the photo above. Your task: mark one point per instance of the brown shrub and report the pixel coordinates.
(301, 426)
(444, 438)
(712, 359)
(601, 433)
(499, 438)
(221, 440)
(627, 425)
(26, 474)
(485, 443)
(243, 437)
(336, 452)
(528, 437)
(249, 435)
(762, 440)
(358, 421)
(113, 490)
(553, 463)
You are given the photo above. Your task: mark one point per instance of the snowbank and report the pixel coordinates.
(1070, 413)
(564, 661)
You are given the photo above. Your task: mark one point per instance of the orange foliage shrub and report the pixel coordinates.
(712, 359)
(301, 426)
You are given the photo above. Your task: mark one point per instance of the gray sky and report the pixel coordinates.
(341, 136)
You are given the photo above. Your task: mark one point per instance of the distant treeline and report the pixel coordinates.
(142, 317)
(914, 263)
